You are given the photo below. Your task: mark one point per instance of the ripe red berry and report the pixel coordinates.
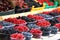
(45, 12)
(36, 33)
(21, 28)
(57, 25)
(0, 26)
(43, 23)
(17, 36)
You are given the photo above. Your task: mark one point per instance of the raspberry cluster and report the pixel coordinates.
(36, 17)
(44, 23)
(15, 21)
(36, 33)
(21, 28)
(17, 36)
(57, 25)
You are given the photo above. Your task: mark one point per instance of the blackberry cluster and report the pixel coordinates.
(28, 20)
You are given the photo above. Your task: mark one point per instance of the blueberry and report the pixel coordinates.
(27, 35)
(47, 17)
(54, 30)
(46, 29)
(30, 26)
(45, 33)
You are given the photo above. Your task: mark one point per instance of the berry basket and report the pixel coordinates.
(55, 5)
(17, 36)
(6, 24)
(27, 35)
(18, 10)
(7, 12)
(36, 33)
(7, 7)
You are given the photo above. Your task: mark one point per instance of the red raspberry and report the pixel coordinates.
(0, 26)
(50, 3)
(45, 12)
(47, 0)
(17, 36)
(21, 28)
(30, 16)
(36, 33)
(36, 17)
(58, 18)
(43, 23)
(57, 25)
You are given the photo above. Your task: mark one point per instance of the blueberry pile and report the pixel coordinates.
(54, 30)
(6, 24)
(47, 17)
(30, 26)
(27, 35)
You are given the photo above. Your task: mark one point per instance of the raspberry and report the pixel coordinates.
(15, 21)
(36, 17)
(45, 12)
(43, 23)
(58, 18)
(17, 36)
(0, 26)
(21, 28)
(50, 3)
(58, 26)
(36, 33)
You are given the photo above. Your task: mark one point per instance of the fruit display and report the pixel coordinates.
(31, 26)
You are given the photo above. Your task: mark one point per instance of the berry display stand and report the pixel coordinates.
(24, 14)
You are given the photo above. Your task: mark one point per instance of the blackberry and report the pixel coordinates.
(45, 33)
(53, 14)
(28, 20)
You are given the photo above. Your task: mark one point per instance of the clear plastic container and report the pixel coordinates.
(36, 33)
(17, 36)
(27, 35)
(17, 39)
(7, 24)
